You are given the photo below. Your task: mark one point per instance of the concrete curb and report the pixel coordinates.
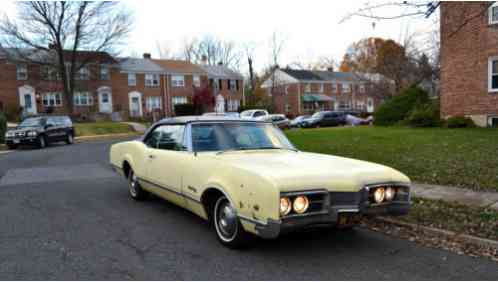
(105, 136)
(436, 231)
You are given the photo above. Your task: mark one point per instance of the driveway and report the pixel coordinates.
(64, 215)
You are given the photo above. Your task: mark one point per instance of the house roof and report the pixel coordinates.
(302, 74)
(178, 66)
(219, 71)
(140, 65)
(47, 56)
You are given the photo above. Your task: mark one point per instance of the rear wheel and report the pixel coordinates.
(134, 188)
(227, 225)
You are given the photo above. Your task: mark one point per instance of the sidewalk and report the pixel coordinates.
(138, 127)
(453, 194)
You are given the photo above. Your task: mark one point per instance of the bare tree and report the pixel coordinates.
(249, 49)
(213, 50)
(54, 33)
(165, 51)
(276, 43)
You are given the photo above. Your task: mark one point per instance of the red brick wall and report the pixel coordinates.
(464, 61)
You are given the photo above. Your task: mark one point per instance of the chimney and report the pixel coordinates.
(220, 63)
(204, 60)
(147, 56)
(51, 46)
(330, 69)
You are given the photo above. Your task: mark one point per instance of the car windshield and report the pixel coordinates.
(316, 115)
(30, 122)
(246, 114)
(231, 136)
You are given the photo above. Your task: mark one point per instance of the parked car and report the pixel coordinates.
(278, 120)
(254, 114)
(325, 118)
(226, 114)
(247, 178)
(298, 120)
(355, 120)
(41, 131)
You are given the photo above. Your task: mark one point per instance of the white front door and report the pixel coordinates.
(220, 104)
(105, 102)
(135, 100)
(27, 100)
(370, 105)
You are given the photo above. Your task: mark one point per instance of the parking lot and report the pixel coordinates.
(64, 214)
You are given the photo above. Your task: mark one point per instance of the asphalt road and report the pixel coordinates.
(64, 215)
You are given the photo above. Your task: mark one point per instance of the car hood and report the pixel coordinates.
(24, 129)
(293, 171)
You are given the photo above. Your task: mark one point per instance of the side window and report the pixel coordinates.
(51, 121)
(258, 114)
(167, 137)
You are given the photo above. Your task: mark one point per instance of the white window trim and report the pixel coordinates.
(177, 100)
(307, 88)
(52, 95)
(151, 80)
(490, 13)
(83, 73)
(23, 67)
(490, 74)
(107, 73)
(148, 103)
(77, 99)
(178, 80)
(133, 80)
(196, 80)
(321, 88)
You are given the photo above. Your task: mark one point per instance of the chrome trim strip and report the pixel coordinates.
(251, 220)
(308, 192)
(169, 190)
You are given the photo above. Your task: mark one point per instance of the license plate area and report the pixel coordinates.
(16, 141)
(348, 218)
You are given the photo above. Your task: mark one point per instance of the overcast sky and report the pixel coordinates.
(311, 28)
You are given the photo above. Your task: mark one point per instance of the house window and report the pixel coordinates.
(83, 99)
(178, 81)
(49, 73)
(346, 88)
(361, 88)
(197, 81)
(52, 99)
(220, 84)
(22, 72)
(153, 103)
(321, 88)
(287, 89)
(151, 80)
(307, 87)
(233, 105)
(493, 74)
(104, 73)
(132, 79)
(179, 100)
(334, 87)
(233, 84)
(493, 14)
(83, 74)
(287, 108)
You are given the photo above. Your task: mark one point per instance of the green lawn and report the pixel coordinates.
(101, 128)
(460, 157)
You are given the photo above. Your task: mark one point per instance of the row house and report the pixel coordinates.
(37, 88)
(296, 92)
(469, 61)
(125, 87)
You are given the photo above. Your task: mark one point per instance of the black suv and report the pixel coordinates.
(325, 118)
(41, 131)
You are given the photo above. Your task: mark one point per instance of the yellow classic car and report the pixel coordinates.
(246, 178)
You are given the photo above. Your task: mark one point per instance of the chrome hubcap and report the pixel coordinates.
(42, 142)
(226, 220)
(133, 184)
(70, 138)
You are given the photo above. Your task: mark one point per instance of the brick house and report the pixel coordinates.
(297, 92)
(35, 89)
(469, 61)
(133, 87)
(226, 85)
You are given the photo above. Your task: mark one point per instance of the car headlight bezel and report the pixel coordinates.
(285, 206)
(390, 193)
(379, 195)
(304, 201)
(9, 134)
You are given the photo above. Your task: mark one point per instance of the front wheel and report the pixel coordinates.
(70, 138)
(134, 188)
(42, 142)
(227, 225)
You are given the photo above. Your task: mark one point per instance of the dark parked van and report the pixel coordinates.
(41, 131)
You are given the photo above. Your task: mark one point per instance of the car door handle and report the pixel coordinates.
(152, 157)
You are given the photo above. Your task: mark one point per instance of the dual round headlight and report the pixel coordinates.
(380, 194)
(32, 133)
(300, 205)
